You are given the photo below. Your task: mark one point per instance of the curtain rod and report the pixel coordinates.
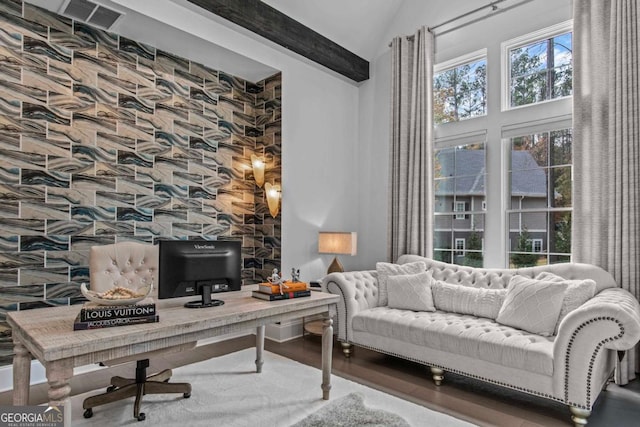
(492, 5)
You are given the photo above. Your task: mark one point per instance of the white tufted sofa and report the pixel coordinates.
(571, 367)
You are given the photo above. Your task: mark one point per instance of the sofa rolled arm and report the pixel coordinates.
(358, 290)
(608, 321)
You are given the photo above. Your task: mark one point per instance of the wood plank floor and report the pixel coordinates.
(464, 398)
(468, 399)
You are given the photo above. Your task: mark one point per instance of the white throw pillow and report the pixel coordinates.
(479, 302)
(386, 269)
(532, 305)
(578, 292)
(411, 292)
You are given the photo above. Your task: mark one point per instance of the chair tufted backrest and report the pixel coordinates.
(127, 264)
(496, 278)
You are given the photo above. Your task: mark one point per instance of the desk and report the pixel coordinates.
(48, 335)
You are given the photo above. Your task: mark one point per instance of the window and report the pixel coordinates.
(536, 245)
(539, 67)
(459, 191)
(540, 199)
(504, 176)
(460, 207)
(460, 88)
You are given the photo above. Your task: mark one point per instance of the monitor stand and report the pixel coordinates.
(206, 299)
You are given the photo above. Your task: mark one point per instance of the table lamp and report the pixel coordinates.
(337, 242)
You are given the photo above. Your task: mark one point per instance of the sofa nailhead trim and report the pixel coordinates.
(466, 374)
(592, 361)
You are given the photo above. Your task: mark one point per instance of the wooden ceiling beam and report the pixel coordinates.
(274, 25)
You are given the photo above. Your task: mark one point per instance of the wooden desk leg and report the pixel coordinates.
(259, 347)
(59, 375)
(327, 353)
(21, 373)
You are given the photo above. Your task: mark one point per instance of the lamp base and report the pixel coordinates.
(335, 267)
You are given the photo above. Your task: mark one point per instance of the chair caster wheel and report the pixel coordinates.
(186, 395)
(142, 416)
(88, 413)
(111, 388)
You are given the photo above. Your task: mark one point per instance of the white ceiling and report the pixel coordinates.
(356, 25)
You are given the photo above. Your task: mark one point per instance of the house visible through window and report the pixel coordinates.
(540, 202)
(459, 191)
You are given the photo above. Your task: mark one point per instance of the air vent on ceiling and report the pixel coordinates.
(92, 13)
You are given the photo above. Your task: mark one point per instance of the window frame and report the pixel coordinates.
(505, 63)
(459, 251)
(550, 125)
(470, 213)
(494, 130)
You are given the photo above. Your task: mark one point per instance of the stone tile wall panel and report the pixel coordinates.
(104, 139)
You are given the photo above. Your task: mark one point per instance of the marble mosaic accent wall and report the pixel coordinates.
(104, 139)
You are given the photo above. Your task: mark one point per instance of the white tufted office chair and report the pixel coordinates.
(131, 265)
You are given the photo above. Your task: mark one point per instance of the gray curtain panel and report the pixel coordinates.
(606, 149)
(411, 157)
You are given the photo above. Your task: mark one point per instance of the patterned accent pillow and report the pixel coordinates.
(578, 292)
(532, 305)
(386, 269)
(479, 302)
(411, 292)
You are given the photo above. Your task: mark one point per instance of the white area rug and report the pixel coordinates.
(228, 392)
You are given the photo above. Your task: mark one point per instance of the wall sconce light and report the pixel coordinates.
(258, 165)
(337, 242)
(273, 194)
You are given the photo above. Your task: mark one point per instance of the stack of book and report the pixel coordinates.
(287, 290)
(94, 316)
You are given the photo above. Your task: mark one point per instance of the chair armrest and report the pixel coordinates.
(358, 291)
(608, 321)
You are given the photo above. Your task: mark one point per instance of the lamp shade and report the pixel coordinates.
(258, 165)
(338, 242)
(273, 194)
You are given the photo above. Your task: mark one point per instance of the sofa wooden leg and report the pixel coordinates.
(438, 375)
(346, 349)
(579, 416)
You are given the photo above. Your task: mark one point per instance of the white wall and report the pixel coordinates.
(319, 135)
(335, 134)
(374, 96)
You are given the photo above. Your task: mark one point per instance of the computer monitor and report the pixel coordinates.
(199, 267)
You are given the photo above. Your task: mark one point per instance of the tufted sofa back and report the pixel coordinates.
(496, 278)
(127, 264)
